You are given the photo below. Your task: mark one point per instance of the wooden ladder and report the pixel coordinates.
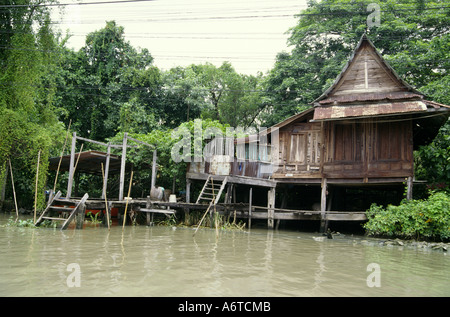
(72, 210)
(209, 191)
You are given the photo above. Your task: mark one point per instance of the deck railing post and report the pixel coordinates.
(122, 166)
(323, 207)
(270, 206)
(71, 166)
(105, 180)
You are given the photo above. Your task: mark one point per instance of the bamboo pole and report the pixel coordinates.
(14, 191)
(62, 153)
(126, 205)
(204, 215)
(36, 188)
(106, 201)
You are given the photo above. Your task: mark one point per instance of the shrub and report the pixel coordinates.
(418, 219)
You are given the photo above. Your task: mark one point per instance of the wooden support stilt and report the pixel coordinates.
(409, 190)
(3, 187)
(122, 166)
(71, 166)
(270, 206)
(250, 198)
(128, 198)
(105, 177)
(148, 205)
(153, 170)
(79, 217)
(323, 207)
(14, 190)
(60, 158)
(36, 188)
(188, 200)
(104, 196)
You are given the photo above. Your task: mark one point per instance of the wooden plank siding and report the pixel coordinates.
(300, 150)
(368, 148)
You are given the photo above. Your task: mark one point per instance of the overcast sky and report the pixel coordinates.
(248, 33)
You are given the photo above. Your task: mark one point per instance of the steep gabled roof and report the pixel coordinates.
(367, 87)
(367, 77)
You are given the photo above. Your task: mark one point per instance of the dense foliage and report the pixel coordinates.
(413, 36)
(417, 219)
(29, 123)
(109, 87)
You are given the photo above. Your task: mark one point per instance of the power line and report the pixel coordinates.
(252, 16)
(71, 4)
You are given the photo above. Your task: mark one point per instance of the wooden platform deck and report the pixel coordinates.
(238, 210)
(242, 210)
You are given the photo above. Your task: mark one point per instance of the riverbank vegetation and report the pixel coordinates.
(421, 219)
(108, 87)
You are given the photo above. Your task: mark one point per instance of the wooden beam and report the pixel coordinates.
(158, 211)
(91, 141)
(409, 191)
(323, 206)
(105, 179)
(250, 198)
(102, 143)
(148, 205)
(271, 206)
(153, 170)
(139, 141)
(188, 200)
(71, 166)
(244, 180)
(122, 166)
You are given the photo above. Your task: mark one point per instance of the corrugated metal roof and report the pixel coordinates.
(367, 110)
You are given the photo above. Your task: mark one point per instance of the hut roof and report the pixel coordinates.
(367, 87)
(367, 77)
(89, 162)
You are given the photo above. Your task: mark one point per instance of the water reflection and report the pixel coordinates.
(164, 261)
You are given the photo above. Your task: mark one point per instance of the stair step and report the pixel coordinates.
(54, 218)
(160, 211)
(61, 208)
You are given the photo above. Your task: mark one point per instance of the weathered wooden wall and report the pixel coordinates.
(366, 148)
(369, 148)
(300, 150)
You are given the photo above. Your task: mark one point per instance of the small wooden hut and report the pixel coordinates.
(359, 136)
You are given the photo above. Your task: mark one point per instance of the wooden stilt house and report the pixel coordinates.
(359, 135)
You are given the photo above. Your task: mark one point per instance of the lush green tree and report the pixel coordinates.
(184, 96)
(107, 84)
(171, 172)
(211, 92)
(29, 127)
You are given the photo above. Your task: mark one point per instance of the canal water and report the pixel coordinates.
(170, 261)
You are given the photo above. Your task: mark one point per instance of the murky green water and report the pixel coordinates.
(164, 261)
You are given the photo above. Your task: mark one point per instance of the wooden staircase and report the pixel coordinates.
(54, 205)
(211, 191)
